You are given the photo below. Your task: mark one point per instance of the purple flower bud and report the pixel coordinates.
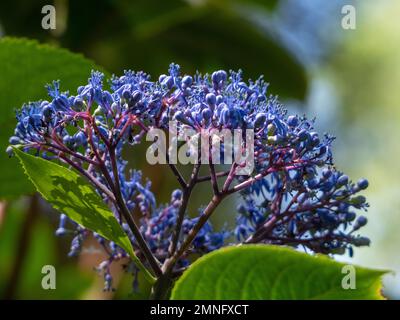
(293, 121)
(80, 138)
(360, 222)
(211, 99)
(181, 117)
(326, 173)
(303, 135)
(362, 184)
(10, 151)
(78, 104)
(218, 76)
(176, 194)
(187, 81)
(126, 94)
(343, 180)
(260, 119)
(168, 82)
(207, 114)
(14, 140)
(136, 96)
(350, 216)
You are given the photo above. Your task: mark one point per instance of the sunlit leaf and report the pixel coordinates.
(25, 68)
(69, 193)
(271, 272)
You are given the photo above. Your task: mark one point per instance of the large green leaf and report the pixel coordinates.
(271, 272)
(69, 193)
(25, 68)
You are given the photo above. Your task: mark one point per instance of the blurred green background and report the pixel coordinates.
(347, 78)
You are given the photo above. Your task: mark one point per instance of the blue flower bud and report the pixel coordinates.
(292, 121)
(350, 216)
(168, 82)
(207, 114)
(314, 138)
(260, 119)
(76, 246)
(14, 140)
(68, 140)
(115, 107)
(103, 131)
(107, 98)
(362, 184)
(219, 99)
(126, 94)
(61, 103)
(326, 173)
(10, 151)
(218, 76)
(327, 218)
(313, 183)
(136, 96)
(61, 232)
(261, 98)
(187, 81)
(360, 222)
(303, 135)
(176, 194)
(224, 116)
(78, 103)
(47, 111)
(343, 180)
(181, 117)
(80, 138)
(211, 99)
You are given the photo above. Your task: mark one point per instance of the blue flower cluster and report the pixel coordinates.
(294, 197)
(319, 215)
(157, 228)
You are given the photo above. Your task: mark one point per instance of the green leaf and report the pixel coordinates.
(210, 36)
(272, 272)
(69, 193)
(25, 68)
(263, 4)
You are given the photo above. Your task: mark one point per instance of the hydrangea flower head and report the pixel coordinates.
(295, 196)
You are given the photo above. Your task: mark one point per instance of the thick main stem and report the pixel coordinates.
(162, 287)
(212, 205)
(129, 219)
